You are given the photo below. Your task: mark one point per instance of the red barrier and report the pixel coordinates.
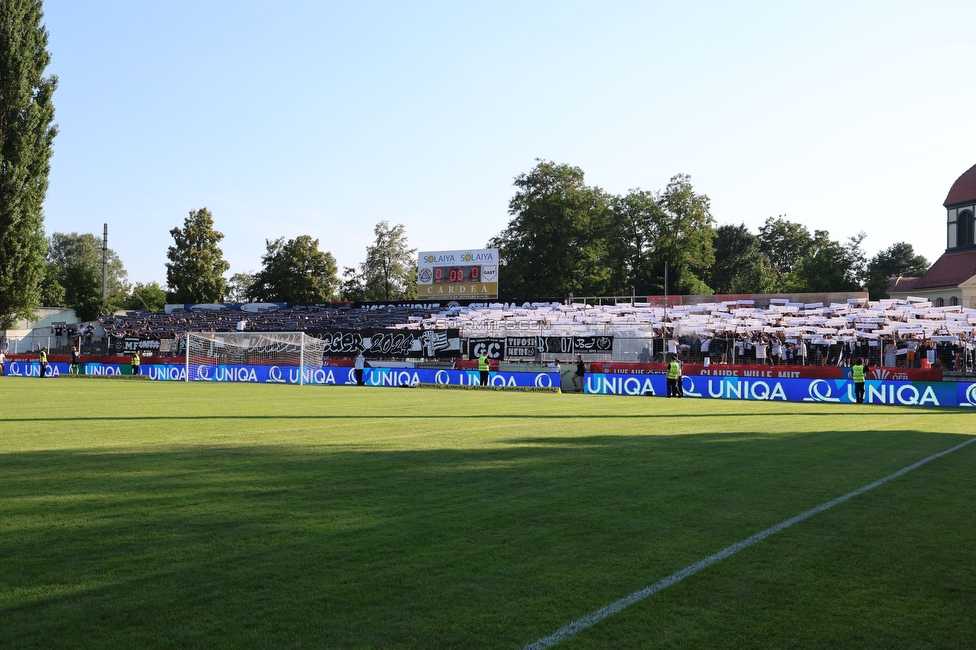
(771, 372)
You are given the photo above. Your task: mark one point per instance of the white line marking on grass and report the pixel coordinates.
(593, 618)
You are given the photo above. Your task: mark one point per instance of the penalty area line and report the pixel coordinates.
(595, 617)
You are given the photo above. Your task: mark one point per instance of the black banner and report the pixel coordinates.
(592, 344)
(494, 347)
(129, 344)
(520, 346)
(390, 343)
(567, 345)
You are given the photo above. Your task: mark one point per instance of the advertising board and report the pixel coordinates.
(458, 274)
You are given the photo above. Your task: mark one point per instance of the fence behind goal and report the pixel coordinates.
(206, 352)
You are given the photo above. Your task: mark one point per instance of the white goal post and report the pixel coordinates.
(217, 355)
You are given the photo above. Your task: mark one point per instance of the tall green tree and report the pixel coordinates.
(26, 139)
(295, 271)
(739, 266)
(897, 260)
(630, 240)
(353, 286)
(196, 264)
(149, 297)
(555, 243)
(390, 269)
(784, 243)
(75, 263)
(830, 265)
(683, 237)
(239, 286)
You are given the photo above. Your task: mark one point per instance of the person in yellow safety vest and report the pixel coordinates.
(42, 360)
(135, 363)
(674, 378)
(858, 371)
(483, 368)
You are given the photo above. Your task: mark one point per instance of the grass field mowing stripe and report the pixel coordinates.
(595, 617)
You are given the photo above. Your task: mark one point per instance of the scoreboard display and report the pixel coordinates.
(458, 274)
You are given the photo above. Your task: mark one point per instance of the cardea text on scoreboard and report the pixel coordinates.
(458, 274)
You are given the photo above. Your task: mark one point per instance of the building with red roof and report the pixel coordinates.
(952, 279)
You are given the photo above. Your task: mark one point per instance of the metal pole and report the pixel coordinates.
(105, 262)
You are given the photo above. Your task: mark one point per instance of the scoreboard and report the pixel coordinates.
(458, 274)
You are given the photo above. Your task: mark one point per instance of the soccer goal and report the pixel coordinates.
(233, 356)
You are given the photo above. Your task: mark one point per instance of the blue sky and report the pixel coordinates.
(324, 118)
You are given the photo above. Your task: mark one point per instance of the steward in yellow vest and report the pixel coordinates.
(42, 360)
(674, 379)
(858, 371)
(135, 363)
(483, 368)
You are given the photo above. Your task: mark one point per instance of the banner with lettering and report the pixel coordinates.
(390, 343)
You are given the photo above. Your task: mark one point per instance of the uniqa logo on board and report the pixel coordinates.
(970, 396)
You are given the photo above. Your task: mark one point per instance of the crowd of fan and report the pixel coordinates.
(909, 333)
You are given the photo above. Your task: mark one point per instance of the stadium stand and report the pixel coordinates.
(899, 332)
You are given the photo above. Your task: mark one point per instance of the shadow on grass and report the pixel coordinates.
(275, 546)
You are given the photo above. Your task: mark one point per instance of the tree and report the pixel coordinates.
(896, 260)
(390, 269)
(353, 286)
(196, 264)
(630, 239)
(26, 138)
(75, 265)
(784, 243)
(683, 237)
(739, 265)
(150, 297)
(239, 286)
(295, 271)
(830, 266)
(555, 243)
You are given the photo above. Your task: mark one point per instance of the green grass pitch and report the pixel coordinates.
(173, 515)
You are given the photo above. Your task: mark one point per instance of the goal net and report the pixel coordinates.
(285, 357)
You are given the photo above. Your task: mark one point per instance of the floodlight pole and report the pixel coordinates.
(105, 263)
(665, 292)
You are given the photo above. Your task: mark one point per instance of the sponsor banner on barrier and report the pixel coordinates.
(332, 375)
(320, 375)
(33, 369)
(768, 372)
(908, 393)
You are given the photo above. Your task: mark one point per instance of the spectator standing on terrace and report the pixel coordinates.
(761, 351)
(89, 334)
(241, 324)
(580, 373)
(777, 351)
(889, 353)
(484, 368)
(673, 345)
(361, 364)
(910, 350)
